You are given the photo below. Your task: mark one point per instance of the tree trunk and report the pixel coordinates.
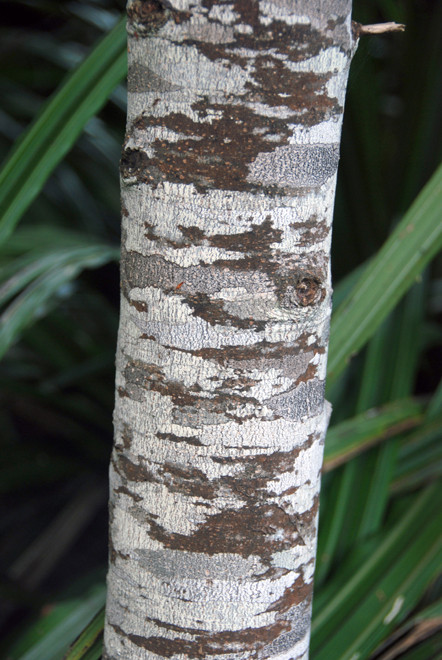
(228, 178)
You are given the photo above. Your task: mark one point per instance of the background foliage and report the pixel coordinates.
(378, 594)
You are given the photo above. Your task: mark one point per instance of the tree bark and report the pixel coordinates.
(228, 177)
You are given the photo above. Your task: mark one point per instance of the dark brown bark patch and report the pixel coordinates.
(188, 439)
(301, 288)
(309, 374)
(262, 354)
(188, 481)
(311, 231)
(303, 92)
(238, 384)
(207, 644)
(122, 490)
(139, 305)
(146, 15)
(214, 313)
(296, 42)
(266, 465)
(142, 376)
(218, 153)
(258, 239)
(259, 529)
(296, 593)
(133, 163)
(251, 483)
(131, 471)
(213, 154)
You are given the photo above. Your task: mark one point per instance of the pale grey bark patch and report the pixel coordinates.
(299, 617)
(141, 79)
(304, 401)
(295, 166)
(167, 564)
(141, 271)
(327, 14)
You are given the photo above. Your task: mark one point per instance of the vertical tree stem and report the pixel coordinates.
(228, 179)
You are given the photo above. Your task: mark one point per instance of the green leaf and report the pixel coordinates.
(350, 438)
(430, 649)
(392, 376)
(420, 457)
(436, 402)
(389, 599)
(344, 287)
(360, 492)
(58, 126)
(49, 638)
(350, 619)
(420, 637)
(52, 272)
(88, 645)
(416, 239)
(332, 519)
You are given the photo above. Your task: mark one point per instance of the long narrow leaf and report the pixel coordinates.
(88, 645)
(420, 637)
(430, 649)
(335, 606)
(48, 140)
(420, 457)
(389, 599)
(31, 303)
(416, 239)
(393, 374)
(349, 438)
(49, 638)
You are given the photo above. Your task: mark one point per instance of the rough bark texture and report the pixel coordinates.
(228, 175)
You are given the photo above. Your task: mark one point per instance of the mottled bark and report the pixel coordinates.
(228, 176)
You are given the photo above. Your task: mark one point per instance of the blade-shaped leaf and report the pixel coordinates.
(49, 638)
(416, 239)
(392, 377)
(88, 645)
(430, 649)
(421, 525)
(32, 302)
(58, 126)
(420, 457)
(349, 438)
(420, 637)
(389, 599)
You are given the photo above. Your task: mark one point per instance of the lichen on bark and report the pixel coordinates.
(228, 174)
